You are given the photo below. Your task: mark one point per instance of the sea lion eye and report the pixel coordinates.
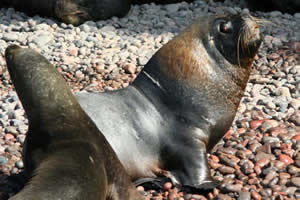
(225, 27)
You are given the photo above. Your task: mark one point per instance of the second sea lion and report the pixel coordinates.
(71, 11)
(65, 155)
(182, 103)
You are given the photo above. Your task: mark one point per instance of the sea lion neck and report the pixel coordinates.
(41, 89)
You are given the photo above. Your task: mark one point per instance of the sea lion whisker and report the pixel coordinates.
(238, 50)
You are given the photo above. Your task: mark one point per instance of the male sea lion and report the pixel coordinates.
(182, 102)
(65, 155)
(72, 11)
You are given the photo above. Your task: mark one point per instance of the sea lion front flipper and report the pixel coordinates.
(205, 187)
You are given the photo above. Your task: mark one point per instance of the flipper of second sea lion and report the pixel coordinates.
(65, 156)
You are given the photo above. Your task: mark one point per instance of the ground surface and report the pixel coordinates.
(259, 157)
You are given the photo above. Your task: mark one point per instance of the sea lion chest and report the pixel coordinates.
(132, 125)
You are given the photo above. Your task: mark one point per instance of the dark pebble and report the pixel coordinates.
(226, 170)
(234, 187)
(274, 181)
(266, 192)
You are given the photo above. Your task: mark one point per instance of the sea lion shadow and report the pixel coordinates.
(11, 184)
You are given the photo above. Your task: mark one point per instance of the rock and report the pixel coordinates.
(19, 164)
(226, 170)
(42, 40)
(234, 187)
(10, 36)
(296, 181)
(172, 8)
(255, 195)
(130, 68)
(261, 155)
(286, 159)
(244, 196)
(3, 160)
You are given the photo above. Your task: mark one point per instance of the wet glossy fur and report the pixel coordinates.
(65, 155)
(182, 102)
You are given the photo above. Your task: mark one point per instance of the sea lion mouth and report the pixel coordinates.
(249, 38)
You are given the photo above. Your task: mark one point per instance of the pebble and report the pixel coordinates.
(263, 162)
(10, 37)
(296, 181)
(130, 68)
(3, 160)
(244, 196)
(167, 186)
(86, 55)
(19, 164)
(234, 187)
(255, 195)
(226, 170)
(286, 159)
(42, 40)
(261, 155)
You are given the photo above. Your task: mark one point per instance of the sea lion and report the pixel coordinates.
(65, 155)
(160, 1)
(182, 102)
(72, 11)
(289, 6)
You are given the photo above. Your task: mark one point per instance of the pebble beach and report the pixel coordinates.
(258, 158)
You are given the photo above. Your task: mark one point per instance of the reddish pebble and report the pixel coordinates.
(263, 162)
(286, 146)
(241, 130)
(167, 186)
(73, 52)
(214, 158)
(9, 136)
(172, 196)
(256, 123)
(296, 137)
(210, 196)
(245, 142)
(286, 159)
(228, 134)
(278, 130)
(255, 195)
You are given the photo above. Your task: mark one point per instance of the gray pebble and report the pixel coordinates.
(42, 40)
(10, 36)
(20, 164)
(244, 196)
(3, 160)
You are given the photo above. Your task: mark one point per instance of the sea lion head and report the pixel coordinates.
(237, 38)
(202, 72)
(78, 11)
